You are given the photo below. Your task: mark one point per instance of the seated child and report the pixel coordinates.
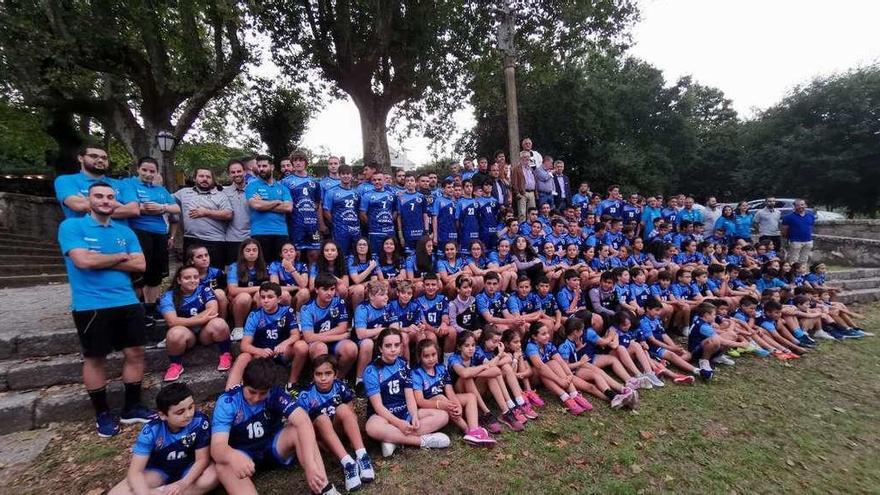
(513, 347)
(553, 371)
(370, 318)
(704, 343)
(324, 322)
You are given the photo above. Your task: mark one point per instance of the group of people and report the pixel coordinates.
(435, 300)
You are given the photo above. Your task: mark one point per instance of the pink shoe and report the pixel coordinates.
(173, 372)
(685, 380)
(534, 398)
(518, 414)
(583, 402)
(479, 437)
(573, 407)
(527, 411)
(225, 362)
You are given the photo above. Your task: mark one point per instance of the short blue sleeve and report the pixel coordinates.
(706, 330)
(371, 381)
(146, 439)
(232, 274)
(591, 336)
(166, 303)
(70, 236)
(418, 382)
(513, 304)
(224, 414)
(251, 324)
(532, 350)
(65, 186)
(360, 317)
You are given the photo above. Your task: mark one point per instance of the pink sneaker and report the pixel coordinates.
(173, 372)
(583, 402)
(527, 411)
(518, 414)
(479, 437)
(573, 407)
(225, 362)
(534, 398)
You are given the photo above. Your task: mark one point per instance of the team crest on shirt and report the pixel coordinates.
(189, 440)
(121, 242)
(334, 312)
(439, 306)
(239, 416)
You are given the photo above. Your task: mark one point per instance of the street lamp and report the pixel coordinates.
(165, 140)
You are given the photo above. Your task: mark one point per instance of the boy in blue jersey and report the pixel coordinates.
(370, 318)
(342, 209)
(557, 236)
(271, 331)
(328, 401)
(435, 312)
(269, 202)
(248, 431)
(378, 212)
(491, 303)
(407, 311)
(468, 217)
(324, 323)
(660, 345)
(488, 213)
(525, 307)
(444, 213)
(611, 206)
(547, 303)
(704, 343)
(413, 215)
(613, 237)
(172, 453)
(306, 221)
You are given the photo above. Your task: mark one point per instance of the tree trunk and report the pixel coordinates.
(374, 130)
(60, 127)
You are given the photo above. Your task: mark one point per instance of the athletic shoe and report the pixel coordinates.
(822, 334)
(225, 362)
(706, 374)
(734, 352)
(107, 424)
(583, 402)
(685, 380)
(655, 380)
(806, 341)
(573, 407)
(292, 389)
(863, 332)
(534, 398)
(632, 398)
(509, 420)
(836, 333)
(527, 411)
(519, 415)
(639, 382)
(162, 344)
(360, 390)
(365, 469)
(478, 437)
(330, 489)
(173, 372)
(852, 333)
(490, 423)
(753, 347)
(388, 448)
(352, 480)
(435, 441)
(722, 359)
(618, 401)
(137, 414)
(236, 334)
(762, 352)
(149, 321)
(781, 355)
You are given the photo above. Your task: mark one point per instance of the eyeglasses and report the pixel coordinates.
(94, 156)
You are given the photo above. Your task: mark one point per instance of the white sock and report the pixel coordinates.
(564, 396)
(358, 380)
(704, 365)
(520, 401)
(360, 453)
(695, 371)
(510, 404)
(573, 394)
(346, 460)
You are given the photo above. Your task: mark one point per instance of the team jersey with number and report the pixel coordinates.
(285, 277)
(306, 196)
(434, 309)
(431, 385)
(446, 212)
(324, 403)
(494, 304)
(251, 427)
(173, 452)
(190, 305)
(412, 208)
(367, 316)
(389, 380)
(270, 329)
(379, 207)
(468, 220)
(408, 315)
(343, 205)
(314, 318)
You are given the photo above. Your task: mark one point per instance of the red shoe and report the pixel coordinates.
(534, 398)
(573, 407)
(583, 402)
(225, 362)
(173, 373)
(685, 380)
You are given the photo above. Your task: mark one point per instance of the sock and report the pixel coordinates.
(176, 359)
(225, 346)
(510, 404)
(520, 401)
(798, 332)
(360, 453)
(564, 396)
(609, 394)
(573, 394)
(346, 460)
(695, 371)
(99, 400)
(704, 365)
(358, 380)
(132, 395)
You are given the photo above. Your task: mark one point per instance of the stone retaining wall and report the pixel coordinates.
(859, 229)
(33, 216)
(846, 251)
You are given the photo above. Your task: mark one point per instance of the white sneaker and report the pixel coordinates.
(822, 334)
(617, 401)
(655, 380)
(435, 441)
(722, 359)
(388, 448)
(686, 331)
(162, 344)
(236, 334)
(637, 382)
(352, 480)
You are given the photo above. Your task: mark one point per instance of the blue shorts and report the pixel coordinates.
(656, 352)
(769, 326)
(376, 240)
(169, 477)
(331, 346)
(305, 237)
(271, 457)
(345, 240)
(401, 413)
(490, 239)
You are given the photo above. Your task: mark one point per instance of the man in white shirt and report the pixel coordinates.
(535, 158)
(767, 220)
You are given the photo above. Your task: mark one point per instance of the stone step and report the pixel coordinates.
(30, 280)
(29, 250)
(859, 296)
(28, 410)
(33, 269)
(37, 373)
(22, 237)
(852, 274)
(7, 242)
(59, 341)
(10, 259)
(857, 284)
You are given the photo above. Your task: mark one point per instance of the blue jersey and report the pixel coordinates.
(456, 359)
(314, 318)
(318, 403)
(523, 305)
(379, 207)
(251, 427)
(431, 385)
(640, 293)
(564, 298)
(214, 278)
(559, 241)
(669, 215)
(610, 207)
(343, 205)
(367, 316)
(328, 184)
(446, 212)
(601, 264)
(173, 452)
(651, 327)
(547, 304)
(488, 215)
(434, 309)
(412, 208)
(494, 304)
(284, 277)
(468, 220)
(700, 331)
(389, 381)
(497, 259)
(413, 269)
(618, 262)
(357, 265)
(306, 196)
(569, 351)
(149, 193)
(408, 315)
(267, 222)
(270, 329)
(451, 267)
(545, 352)
(660, 293)
(614, 239)
(685, 291)
(631, 213)
(78, 185)
(482, 262)
(392, 270)
(815, 279)
(622, 292)
(190, 305)
(251, 281)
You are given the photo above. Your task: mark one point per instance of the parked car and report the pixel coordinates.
(786, 206)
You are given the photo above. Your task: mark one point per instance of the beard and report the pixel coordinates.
(204, 187)
(265, 175)
(92, 169)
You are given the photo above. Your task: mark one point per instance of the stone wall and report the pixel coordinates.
(859, 229)
(846, 251)
(33, 216)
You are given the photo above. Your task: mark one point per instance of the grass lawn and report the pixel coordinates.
(761, 426)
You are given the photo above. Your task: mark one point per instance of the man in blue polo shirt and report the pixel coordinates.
(269, 203)
(797, 227)
(100, 255)
(71, 190)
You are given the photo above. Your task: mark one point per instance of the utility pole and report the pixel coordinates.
(506, 31)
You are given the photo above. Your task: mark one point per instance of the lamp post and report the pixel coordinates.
(165, 142)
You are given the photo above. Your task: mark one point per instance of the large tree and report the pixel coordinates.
(135, 68)
(279, 115)
(415, 56)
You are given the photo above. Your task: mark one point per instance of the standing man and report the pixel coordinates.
(797, 227)
(305, 224)
(413, 215)
(650, 213)
(204, 213)
(152, 232)
(341, 209)
(378, 212)
(522, 181)
(544, 182)
(612, 205)
(562, 187)
(332, 180)
(500, 188)
(689, 212)
(712, 212)
(535, 159)
(468, 171)
(71, 190)
(100, 255)
(767, 220)
(269, 203)
(239, 226)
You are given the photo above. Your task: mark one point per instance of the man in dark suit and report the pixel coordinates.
(500, 188)
(561, 186)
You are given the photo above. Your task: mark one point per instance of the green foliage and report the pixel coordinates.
(23, 143)
(279, 115)
(205, 154)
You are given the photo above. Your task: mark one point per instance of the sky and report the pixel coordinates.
(755, 51)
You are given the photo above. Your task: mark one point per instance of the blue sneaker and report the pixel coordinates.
(352, 480)
(706, 374)
(761, 352)
(864, 333)
(107, 424)
(806, 341)
(365, 469)
(137, 414)
(850, 334)
(834, 332)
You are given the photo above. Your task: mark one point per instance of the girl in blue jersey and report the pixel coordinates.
(488, 347)
(394, 418)
(190, 309)
(408, 312)
(292, 275)
(420, 263)
(392, 267)
(589, 276)
(602, 261)
(501, 261)
(512, 343)
(362, 267)
(625, 345)
(432, 388)
(329, 403)
(172, 453)
(477, 264)
(553, 265)
(330, 261)
(198, 256)
(450, 267)
(243, 279)
(553, 372)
